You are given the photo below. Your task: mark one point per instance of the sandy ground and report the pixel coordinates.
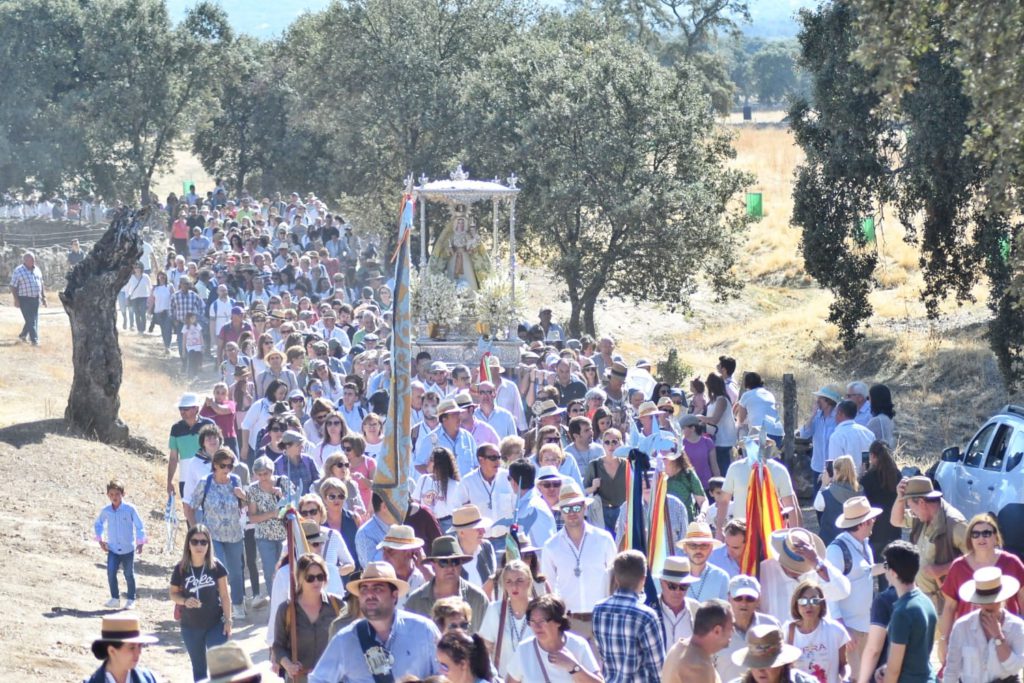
(54, 486)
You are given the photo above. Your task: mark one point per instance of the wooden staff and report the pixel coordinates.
(293, 635)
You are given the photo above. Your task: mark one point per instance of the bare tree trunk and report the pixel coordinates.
(90, 301)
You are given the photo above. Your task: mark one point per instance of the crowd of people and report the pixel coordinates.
(277, 300)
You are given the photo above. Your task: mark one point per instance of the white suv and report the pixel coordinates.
(987, 476)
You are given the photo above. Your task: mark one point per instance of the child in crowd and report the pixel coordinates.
(715, 485)
(192, 333)
(125, 535)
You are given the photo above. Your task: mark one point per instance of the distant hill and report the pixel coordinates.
(772, 19)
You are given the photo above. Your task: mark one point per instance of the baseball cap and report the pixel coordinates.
(741, 584)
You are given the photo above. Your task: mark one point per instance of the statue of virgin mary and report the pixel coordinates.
(459, 254)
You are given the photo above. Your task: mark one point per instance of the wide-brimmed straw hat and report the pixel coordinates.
(856, 510)
(547, 408)
(229, 663)
(677, 570)
(446, 548)
(649, 409)
(766, 649)
(121, 627)
(699, 532)
(313, 532)
(378, 572)
(571, 495)
(400, 537)
(783, 542)
(469, 517)
(921, 487)
(448, 406)
(464, 400)
(989, 586)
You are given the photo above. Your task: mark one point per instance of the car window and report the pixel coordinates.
(976, 451)
(997, 451)
(1015, 449)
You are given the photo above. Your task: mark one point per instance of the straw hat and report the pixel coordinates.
(616, 369)
(649, 409)
(571, 495)
(446, 548)
(229, 663)
(525, 544)
(921, 487)
(989, 586)
(783, 542)
(313, 532)
(378, 572)
(469, 517)
(667, 406)
(400, 537)
(547, 408)
(856, 510)
(677, 570)
(121, 627)
(447, 407)
(765, 649)
(464, 400)
(699, 532)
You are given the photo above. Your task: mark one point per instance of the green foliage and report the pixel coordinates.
(845, 175)
(674, 371)
(774, 72)
(625, 187)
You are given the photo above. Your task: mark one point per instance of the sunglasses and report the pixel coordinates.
(333, 423)
(492, 458)
(486, 393)
(572, 509)
(315, 544)
(551, 484)
(198, 542)
(464, 625)
(315, 578)
(310, 512)
(676, 586)
(335, 496)
(987, 533)
(448, 563)
(342, 464)
(554, 439)
(810, 602)
(224, 466)
(611, 442)
(275, 429)
(318, 417)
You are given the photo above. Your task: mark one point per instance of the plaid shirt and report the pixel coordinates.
(183, 303)
(27, 283)
(628, 636)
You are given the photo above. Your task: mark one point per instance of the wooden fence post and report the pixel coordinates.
(789, 420)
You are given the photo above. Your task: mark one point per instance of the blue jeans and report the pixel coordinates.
(270, 553)
(197, 642)
(231, 555)
(127, 561)
(30, 313)
(611, 517)
(723, 455)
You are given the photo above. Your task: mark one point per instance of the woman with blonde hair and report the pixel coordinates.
(836, 488)
(822, 640)
(551, 454)
(504, 624)
(337, 466)
(373, 435)
(314, 611)
(334, 550)
(984, 544)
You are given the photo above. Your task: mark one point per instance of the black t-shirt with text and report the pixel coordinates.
(200, 582)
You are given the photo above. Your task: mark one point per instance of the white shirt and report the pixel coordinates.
(495, 499)
(525, 667)
(820, 649)
(737, 479)
(678, 625)
(193, 472)
(220, 313)
(428, 493)
(509, 398)
(849, 438)
(760, 404)
(561, 557)
(855, 610)
(516, 631)
(973, 659)
(777, 588)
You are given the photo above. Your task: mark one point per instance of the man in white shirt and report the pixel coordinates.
(801, 555)
(675, 608)
(487, 487)
(744, 598)
(987, 644)
(577, 561)
(849, 438)
(508, 396)
(851, 553)
(737, 479)
(329, 330)
(501, 420)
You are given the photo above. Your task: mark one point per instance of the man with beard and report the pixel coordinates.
(387, 641)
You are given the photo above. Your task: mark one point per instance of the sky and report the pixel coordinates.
(267, 19)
